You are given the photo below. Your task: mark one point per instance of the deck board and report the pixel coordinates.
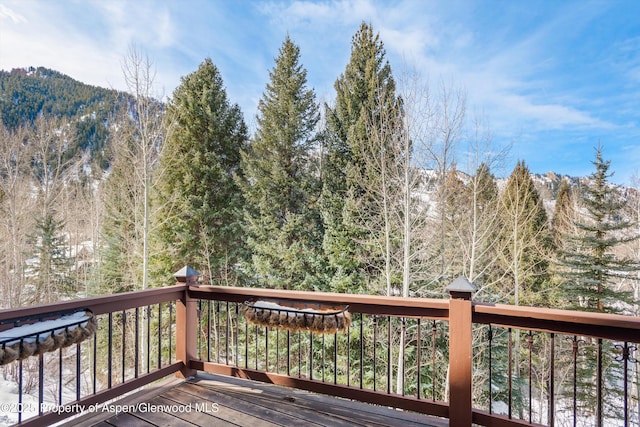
(214, 400)
(127, 419)
(225, 415)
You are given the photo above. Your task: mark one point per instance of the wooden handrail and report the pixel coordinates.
(599, 325)
(101, 304)
(368, 304)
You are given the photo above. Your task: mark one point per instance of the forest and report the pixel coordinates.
(106, 192)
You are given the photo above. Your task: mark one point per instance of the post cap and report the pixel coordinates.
(187, 275)
(461, 288)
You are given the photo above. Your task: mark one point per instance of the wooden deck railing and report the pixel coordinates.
(469, 362)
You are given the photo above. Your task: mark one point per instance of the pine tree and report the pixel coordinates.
(591, 275)
(594, 269)
(51, 271)
(367, 80)
(200, 202)
(281, 180)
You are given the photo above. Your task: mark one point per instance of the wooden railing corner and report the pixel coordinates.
(186, 322)
(460, 352)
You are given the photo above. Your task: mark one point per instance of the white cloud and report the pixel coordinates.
(7, 13)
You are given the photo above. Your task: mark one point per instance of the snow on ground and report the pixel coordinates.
(9, 406)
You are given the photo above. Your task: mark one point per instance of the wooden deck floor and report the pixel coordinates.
(212, 400)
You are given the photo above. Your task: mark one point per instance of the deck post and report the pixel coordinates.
(460, 352)
(186, 322)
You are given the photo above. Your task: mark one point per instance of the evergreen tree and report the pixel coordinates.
(365, 93)
(281, 184)
(591, 272)
(200, 202)
(51, 271)
(594, 269)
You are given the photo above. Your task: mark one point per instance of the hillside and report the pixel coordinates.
(27, 93)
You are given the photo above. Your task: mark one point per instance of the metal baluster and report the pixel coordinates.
(124, 339)
(323, 362)
(310, 356)
(552, 366)
(335, 358)
(136, 343)
(78, 355)
(361, 348)
(110, 350)
(288, 349)
(159, 335)
(246, 344)
(418, 356)
(625, 358)
(40, 381)
(148, 309)
(434, 331)
(95, 360)
(510, 371)
(266, 348)
(60, 376)
(278, 348)
(490, 339)
(375, 342)
(530, 346)
(574, 347)
(19, 390)
(217, 328)
(209, 330)
(237, 333)
(600, 414)
(388, 354)
(299, 354)
(226, 334)
(402, 341)
(349, 355)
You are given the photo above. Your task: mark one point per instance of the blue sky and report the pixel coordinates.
(551, 78)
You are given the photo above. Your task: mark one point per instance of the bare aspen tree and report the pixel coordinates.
(525, 235)
(447, 113)
(139, 75)
(482, 220)
(412, 166)
(16, 220)
(433, 124)
(418, 135)
(383, 153)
